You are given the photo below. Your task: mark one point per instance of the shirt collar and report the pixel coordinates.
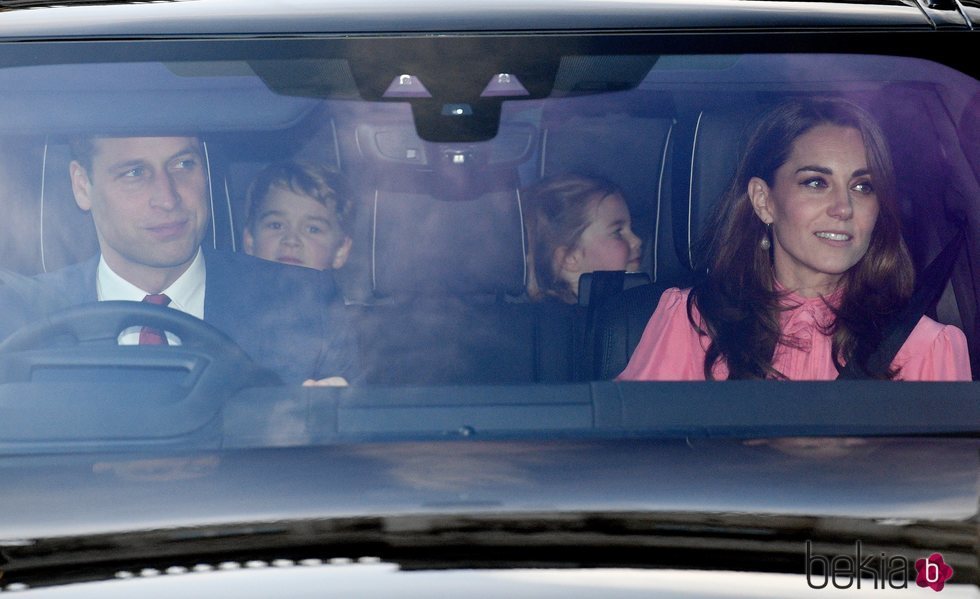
(186, 293)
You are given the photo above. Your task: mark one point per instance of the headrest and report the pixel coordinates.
(19, 190)
(423, 244)
(590, 136)
(446, 217)
(66, 234)
(969, 131)
(705, 168)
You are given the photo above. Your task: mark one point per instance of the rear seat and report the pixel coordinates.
(624, 139)
(435, 282)
(447, 278)
(613, 137)
(447, 268)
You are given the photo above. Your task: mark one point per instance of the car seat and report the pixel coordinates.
(447, 265)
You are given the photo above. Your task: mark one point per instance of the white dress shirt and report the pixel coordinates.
(186, 294)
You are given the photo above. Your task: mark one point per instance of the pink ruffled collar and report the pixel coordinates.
(793, 299)
(805, 314)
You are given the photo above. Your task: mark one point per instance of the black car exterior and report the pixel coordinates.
(445, 472)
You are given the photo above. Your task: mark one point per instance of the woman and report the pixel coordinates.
(804, 264)
(576, 225)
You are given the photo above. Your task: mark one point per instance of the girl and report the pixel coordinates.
(576, 225)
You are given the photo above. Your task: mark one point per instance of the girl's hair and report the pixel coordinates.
(319, 183)
(736, 293)
(557, 210)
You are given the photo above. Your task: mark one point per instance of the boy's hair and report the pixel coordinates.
(558, 210)
(319, 183)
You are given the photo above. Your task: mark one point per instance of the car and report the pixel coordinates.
(480, 441)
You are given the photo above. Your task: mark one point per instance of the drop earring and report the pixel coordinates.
(765, 243)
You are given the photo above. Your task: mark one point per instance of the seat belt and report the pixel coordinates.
(927, 291)
(595, 290)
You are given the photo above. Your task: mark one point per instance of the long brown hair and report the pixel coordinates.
(736, 294)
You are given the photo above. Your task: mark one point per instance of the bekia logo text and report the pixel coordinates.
(873, 570)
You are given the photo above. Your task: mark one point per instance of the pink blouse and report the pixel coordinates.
(671, 350)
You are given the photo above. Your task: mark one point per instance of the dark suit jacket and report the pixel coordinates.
(285, 317)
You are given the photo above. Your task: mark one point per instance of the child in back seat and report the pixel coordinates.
(576, 225)
(299, 213)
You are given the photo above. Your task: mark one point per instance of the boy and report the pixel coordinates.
(299, 213)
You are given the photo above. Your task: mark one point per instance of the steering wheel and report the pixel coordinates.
(98, 324)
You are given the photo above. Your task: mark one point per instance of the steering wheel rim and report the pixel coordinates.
(101, 323)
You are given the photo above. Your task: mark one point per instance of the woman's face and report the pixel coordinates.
(822, 207)
(608, 243)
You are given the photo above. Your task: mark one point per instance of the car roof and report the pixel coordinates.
(257, 17)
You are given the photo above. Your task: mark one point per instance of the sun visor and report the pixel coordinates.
(143, 96)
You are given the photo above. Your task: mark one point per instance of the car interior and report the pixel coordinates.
(436, 281)
(435, 286)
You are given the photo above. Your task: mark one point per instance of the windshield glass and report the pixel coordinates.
(285, 281)
(534, 215)
(455, 218)
(338, 217)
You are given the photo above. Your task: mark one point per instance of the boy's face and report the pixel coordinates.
(295, 229)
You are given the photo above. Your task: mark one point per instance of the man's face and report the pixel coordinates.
(148, 197)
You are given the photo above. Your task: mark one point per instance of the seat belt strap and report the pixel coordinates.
(928, 289)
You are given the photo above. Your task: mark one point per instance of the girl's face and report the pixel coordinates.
(822, 207)
(608, 243)
(295, 229)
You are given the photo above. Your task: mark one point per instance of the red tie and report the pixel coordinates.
(150, 335)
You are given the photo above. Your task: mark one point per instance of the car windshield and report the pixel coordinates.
(387, 249)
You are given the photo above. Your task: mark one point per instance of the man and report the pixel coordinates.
(148, 197)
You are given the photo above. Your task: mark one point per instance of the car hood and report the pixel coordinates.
(697, 503)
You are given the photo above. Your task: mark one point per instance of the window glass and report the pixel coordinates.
(448, 215)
